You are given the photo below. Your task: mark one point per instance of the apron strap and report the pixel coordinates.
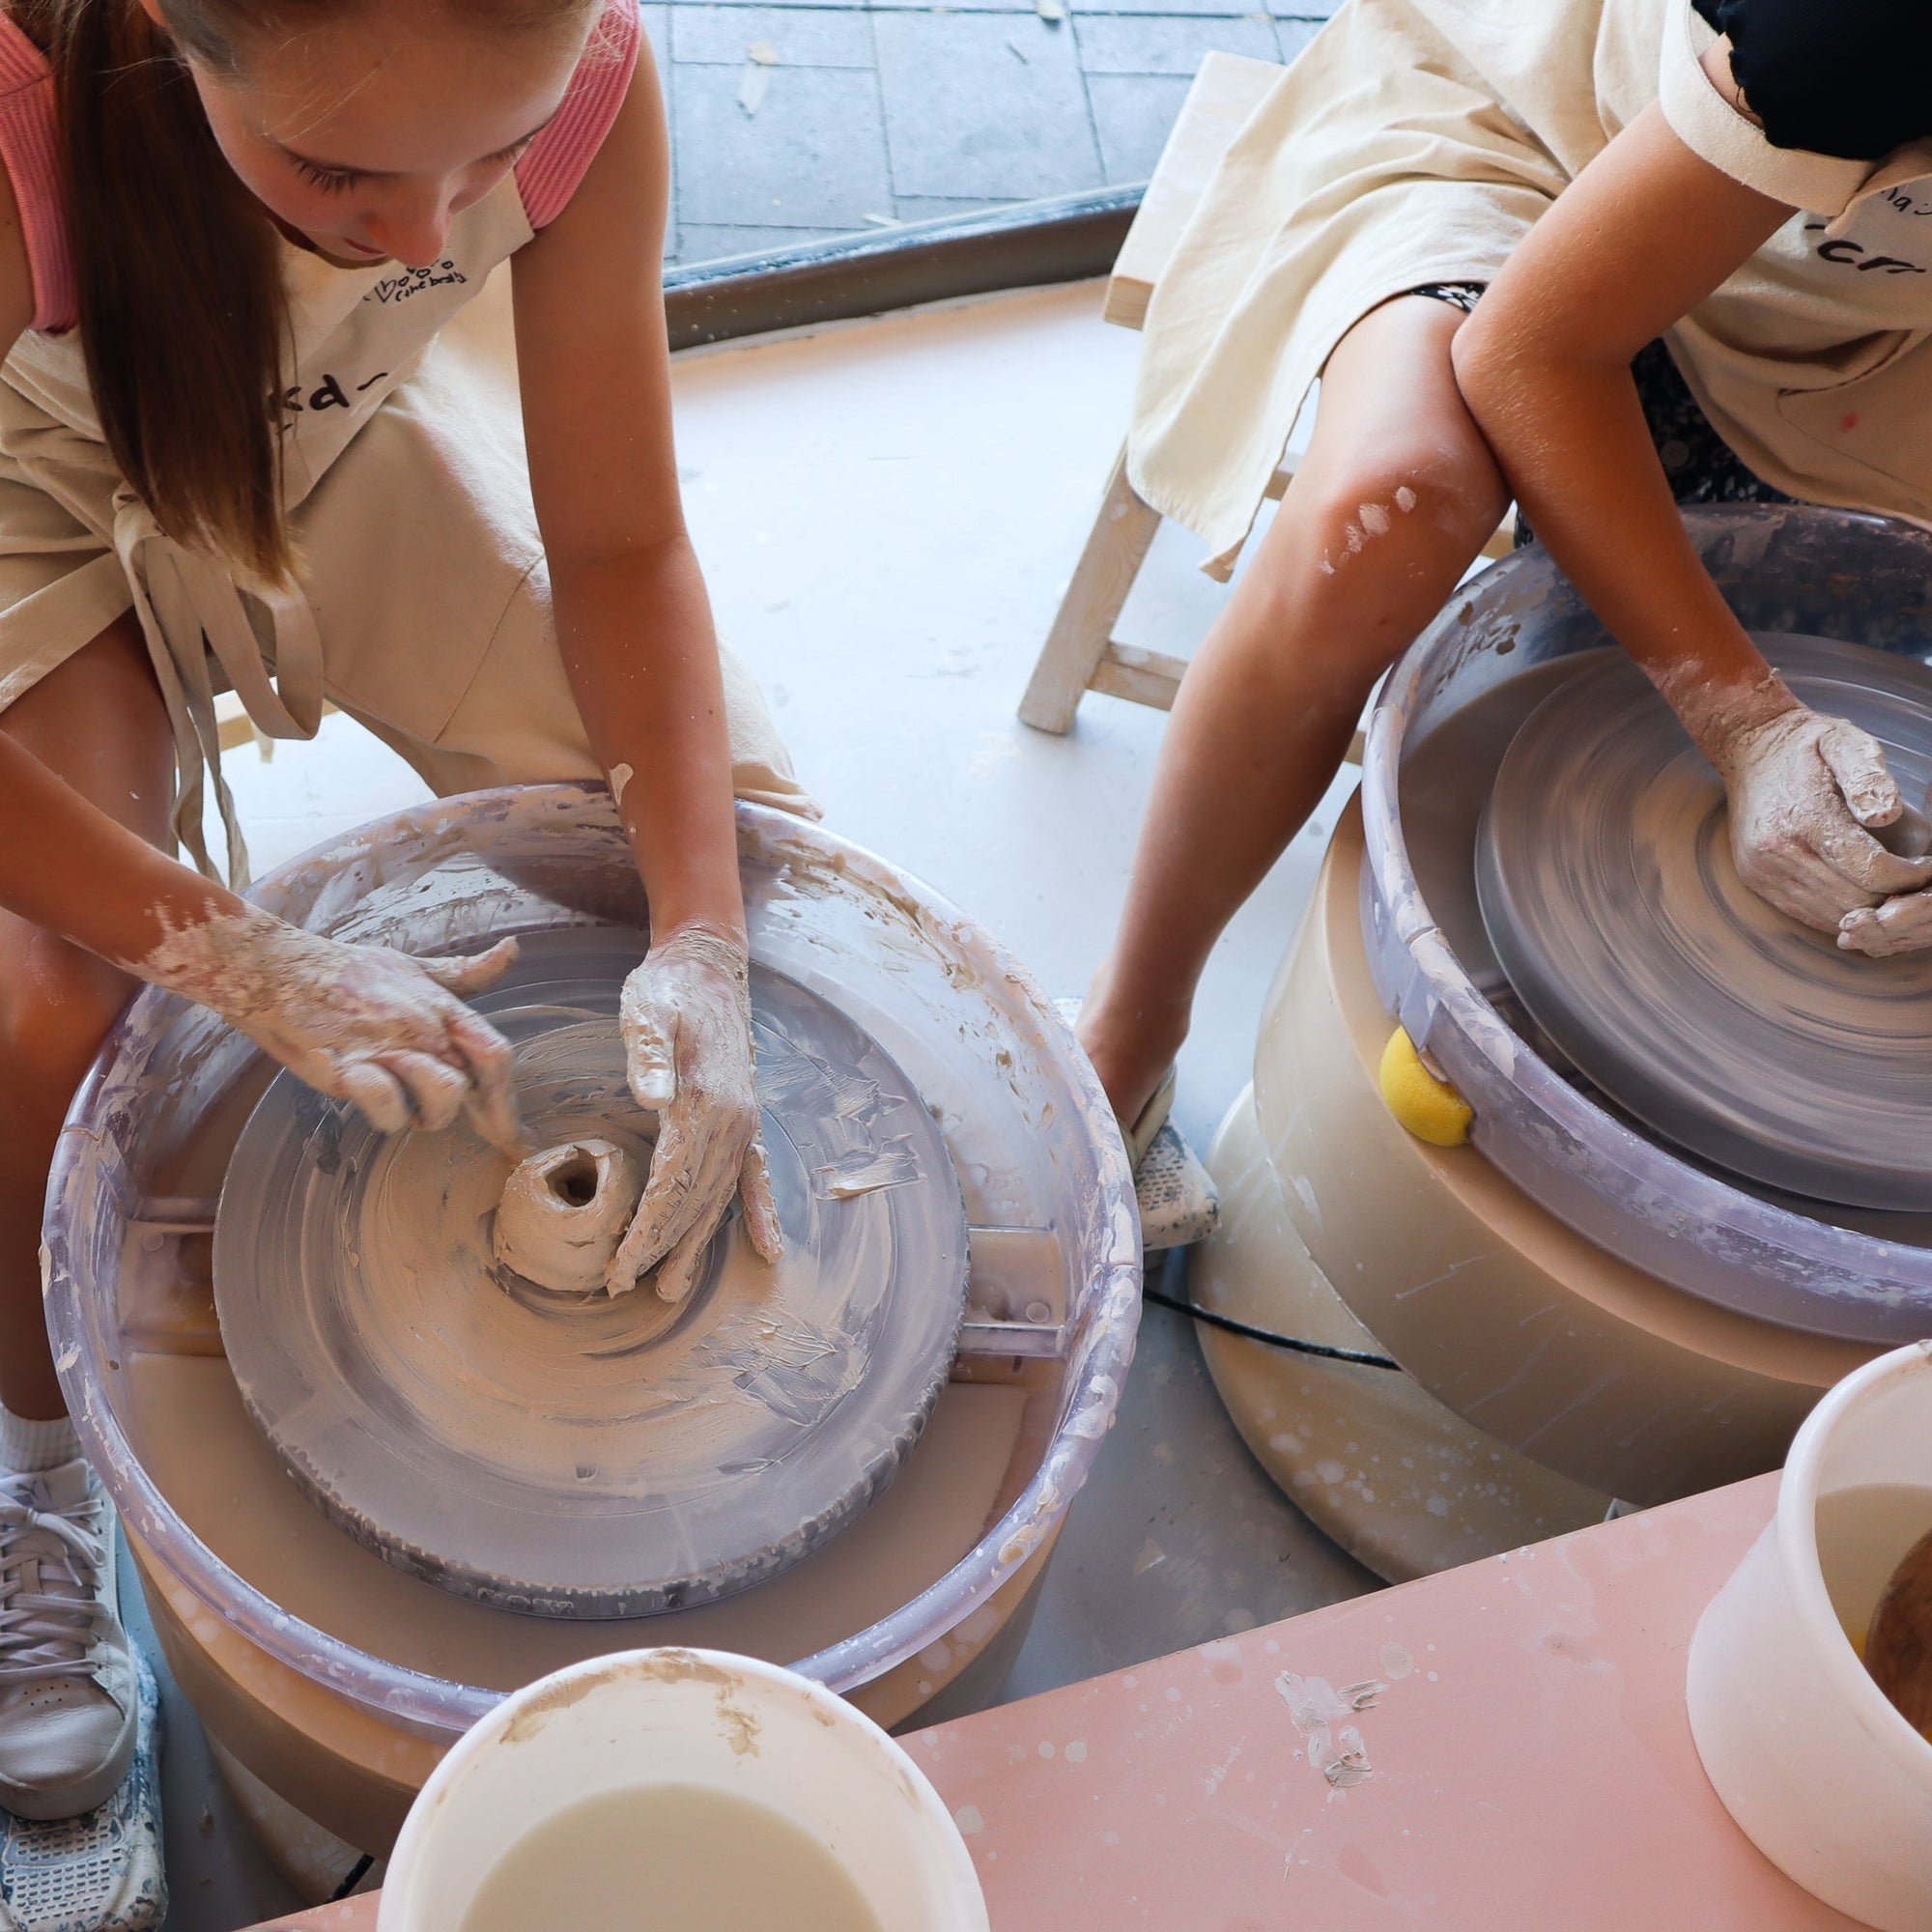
(188, 609)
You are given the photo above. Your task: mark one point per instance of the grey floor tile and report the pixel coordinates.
(1295, 35)
(800, 35)
(1194, 9)
(1133, 113)
(1162, 43)
(715, 241)
(983, 105)
(657, 30)
(813, 155)
(959, 7)
(935, 208)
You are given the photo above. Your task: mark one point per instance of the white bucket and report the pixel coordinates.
(1825, 1776)
(683, 1717)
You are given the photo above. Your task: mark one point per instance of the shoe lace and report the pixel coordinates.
(42, 1636)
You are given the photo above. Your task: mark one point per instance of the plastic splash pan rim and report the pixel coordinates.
(1791, 568)
(1096, 1192)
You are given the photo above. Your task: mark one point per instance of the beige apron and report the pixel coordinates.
(423, 609)
(1418, 140)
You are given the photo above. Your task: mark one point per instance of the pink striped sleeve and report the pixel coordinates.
(29, 151)
(558, 158)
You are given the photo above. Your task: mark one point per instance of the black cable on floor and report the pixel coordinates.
(1231, 1327)
(356, 1873)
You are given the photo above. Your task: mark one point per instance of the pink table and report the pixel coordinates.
(1520, 1759)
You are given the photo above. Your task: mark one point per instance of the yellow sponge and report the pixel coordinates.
(1430, 1109)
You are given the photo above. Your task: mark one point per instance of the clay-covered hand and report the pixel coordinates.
(1902, 924)
(1806, 792)
(359, 1023)
(686, 1021)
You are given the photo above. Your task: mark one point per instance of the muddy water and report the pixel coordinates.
(668, 1856)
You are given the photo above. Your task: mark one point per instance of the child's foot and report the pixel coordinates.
(69, 1695)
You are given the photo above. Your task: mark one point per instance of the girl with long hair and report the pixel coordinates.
(233, 457)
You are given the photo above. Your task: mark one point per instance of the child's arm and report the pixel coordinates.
(1644, 235)
(635, 628)
(359, 1023)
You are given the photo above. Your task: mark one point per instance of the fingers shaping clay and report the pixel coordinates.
(563, 1212)
(1603, 868)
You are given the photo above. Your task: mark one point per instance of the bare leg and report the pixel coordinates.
(99, 721)
(1397, 496)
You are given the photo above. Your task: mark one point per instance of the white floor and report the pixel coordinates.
(887, 513)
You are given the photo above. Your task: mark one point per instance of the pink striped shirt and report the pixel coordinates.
(547, 174)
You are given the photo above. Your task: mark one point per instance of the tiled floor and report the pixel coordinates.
(791, 123)
(886, 513)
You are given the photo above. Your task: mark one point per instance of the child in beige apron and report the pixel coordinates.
(420, 606)
(1419, 153)
(400, 450)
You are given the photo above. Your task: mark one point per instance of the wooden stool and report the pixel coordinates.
(1081, 652)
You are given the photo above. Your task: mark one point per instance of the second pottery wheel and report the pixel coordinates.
(584, 1455)
(1605, 873)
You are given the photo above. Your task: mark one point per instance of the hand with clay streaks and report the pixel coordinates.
(359, 1023)
(687, 1025)
(1807, 791)
(1901, 925)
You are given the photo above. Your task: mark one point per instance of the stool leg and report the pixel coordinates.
(1085, 624)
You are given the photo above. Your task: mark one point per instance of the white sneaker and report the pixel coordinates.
(1178, 1201)
(69, 1702)
(101, 1872)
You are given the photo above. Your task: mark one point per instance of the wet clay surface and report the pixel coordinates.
(572, 1454)
(1609, 893)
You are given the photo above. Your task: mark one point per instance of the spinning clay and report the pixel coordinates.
(1609, 893)
(563, 1213)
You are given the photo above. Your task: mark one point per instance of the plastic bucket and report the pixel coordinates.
(703, 1717)
(1825, 1776)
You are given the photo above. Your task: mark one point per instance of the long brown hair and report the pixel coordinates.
(177, 267)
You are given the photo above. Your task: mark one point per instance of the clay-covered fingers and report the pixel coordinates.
(489, 1096)
(761, 1213)
(694, 1170)
(437, 1089)
(383, 1098)
(651, 1043)
(687, 1023)
(678, 1272)
(1898, 925)
(1856, 760)
(472, 972)
(1858, 858)
(1799, 882)
(1803, 791)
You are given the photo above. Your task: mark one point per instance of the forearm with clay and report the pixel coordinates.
(359, 1023)
(1545, 366)
(686, 1016)
(634, 626)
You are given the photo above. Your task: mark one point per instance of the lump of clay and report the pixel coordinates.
(563, 1213)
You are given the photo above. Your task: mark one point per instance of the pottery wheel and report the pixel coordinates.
(584, 1455)
(1605, 873)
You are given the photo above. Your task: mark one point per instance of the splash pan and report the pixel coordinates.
(277, 1618)
(1439, 731)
